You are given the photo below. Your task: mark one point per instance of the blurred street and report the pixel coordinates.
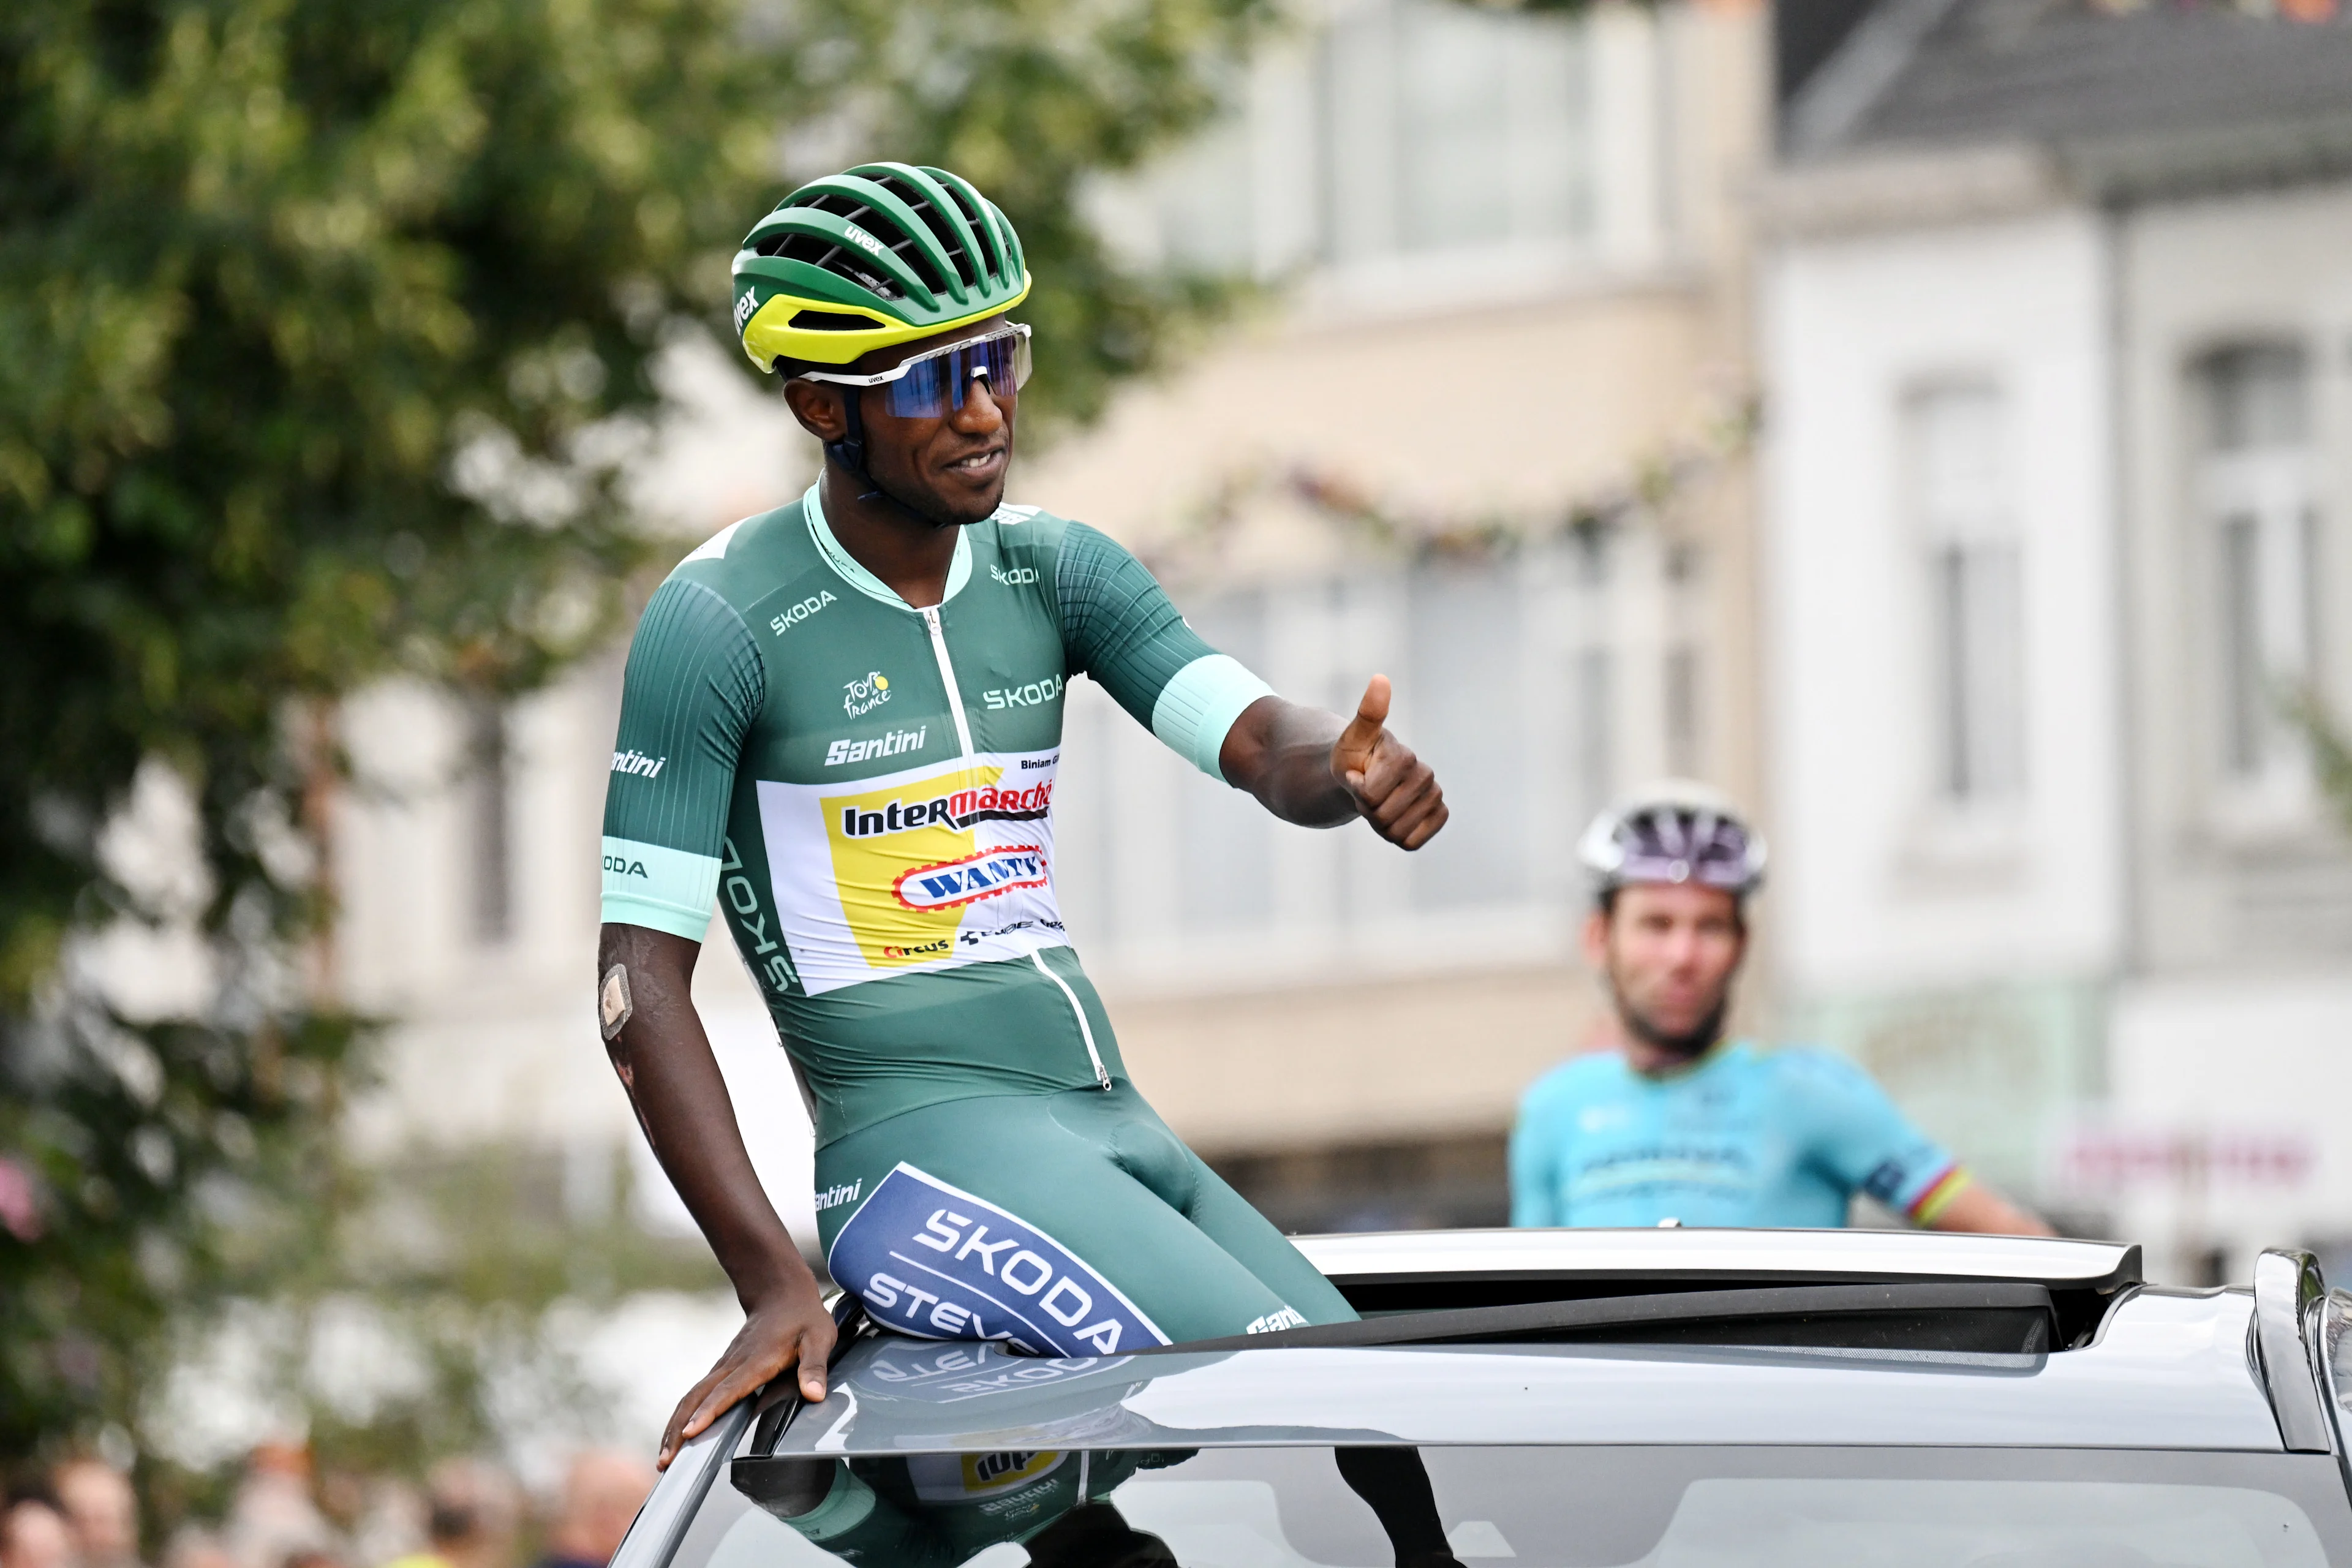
(1928, 421)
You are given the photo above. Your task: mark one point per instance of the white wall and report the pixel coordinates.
(2237, 1055)
(1875, 886)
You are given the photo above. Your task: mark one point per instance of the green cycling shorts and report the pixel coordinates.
(1066, 1224)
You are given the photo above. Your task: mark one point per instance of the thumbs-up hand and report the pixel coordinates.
(1394, 789)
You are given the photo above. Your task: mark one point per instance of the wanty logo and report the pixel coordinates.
(637, 762)
(867, 695)
(990, 803)
(954, 883)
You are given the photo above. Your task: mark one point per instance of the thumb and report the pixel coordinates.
(1371, 713)
(1354, 749)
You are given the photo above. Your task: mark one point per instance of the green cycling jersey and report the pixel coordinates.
(866, 791)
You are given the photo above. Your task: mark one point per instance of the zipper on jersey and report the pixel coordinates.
(947, 674)
(1086, 1032)
(963, 738)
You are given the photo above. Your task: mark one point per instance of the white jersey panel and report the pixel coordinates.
(924, 870)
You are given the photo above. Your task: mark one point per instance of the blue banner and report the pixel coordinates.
(934, 1261)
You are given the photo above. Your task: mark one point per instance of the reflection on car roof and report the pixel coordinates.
(2170, 1369)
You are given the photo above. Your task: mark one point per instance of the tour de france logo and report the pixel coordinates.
(867, 695)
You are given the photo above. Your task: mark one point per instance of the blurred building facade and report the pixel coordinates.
(1484, 438)
(2056, 318)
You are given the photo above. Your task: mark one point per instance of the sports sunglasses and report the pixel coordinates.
(932, 383)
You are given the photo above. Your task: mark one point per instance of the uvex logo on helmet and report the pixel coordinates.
(744, 306)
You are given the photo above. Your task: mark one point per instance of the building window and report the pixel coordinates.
(2255, 499)
(1416, 128)
(1682, 711)
(1961, 501)
(1595, 734)
(488, 807)
(1445, 128)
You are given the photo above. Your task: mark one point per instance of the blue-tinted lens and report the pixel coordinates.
(921, 393)
(932, 386)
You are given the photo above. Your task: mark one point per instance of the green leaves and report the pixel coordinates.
(316, 317)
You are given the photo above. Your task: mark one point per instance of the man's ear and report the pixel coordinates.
(818, 406)
(1596, 940)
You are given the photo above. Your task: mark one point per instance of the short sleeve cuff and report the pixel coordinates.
(664, 889)
(1937, 1196)
(1198, 705)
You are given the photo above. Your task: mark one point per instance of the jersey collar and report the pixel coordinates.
(858, 577)
(1706, 1062)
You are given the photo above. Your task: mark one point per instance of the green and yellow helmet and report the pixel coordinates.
(870, 257)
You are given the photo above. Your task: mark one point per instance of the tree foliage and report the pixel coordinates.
(2331, 750)
(323, 324)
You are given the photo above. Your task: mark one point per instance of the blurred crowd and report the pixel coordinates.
(86, 1513)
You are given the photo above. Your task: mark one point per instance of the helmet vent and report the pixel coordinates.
(840, 259)
(942, 230)
(832, 322)
(972, 215)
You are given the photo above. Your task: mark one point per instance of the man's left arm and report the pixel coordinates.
(1978, 1208)
(1303, 765)
(1865, 1137)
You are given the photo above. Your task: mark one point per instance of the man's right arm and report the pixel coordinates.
(695, 686)
(664, 1058)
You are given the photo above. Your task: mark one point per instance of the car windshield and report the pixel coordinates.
(1302, 1507)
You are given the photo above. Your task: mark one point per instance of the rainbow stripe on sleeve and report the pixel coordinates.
(1939, 1194)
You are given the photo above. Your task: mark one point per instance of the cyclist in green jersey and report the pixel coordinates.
(842, 719)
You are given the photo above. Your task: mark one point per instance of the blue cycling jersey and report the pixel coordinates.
(1746, 1137)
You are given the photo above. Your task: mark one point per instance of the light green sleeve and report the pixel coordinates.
(693, 686)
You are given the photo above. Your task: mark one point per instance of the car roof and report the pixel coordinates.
(2170, 1370)
(1675, 1253)
(2167, 1369)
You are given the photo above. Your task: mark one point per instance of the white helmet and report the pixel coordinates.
(1673, 830)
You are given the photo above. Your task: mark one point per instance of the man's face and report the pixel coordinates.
(101, 1508)
(34, 1535)
(950, 467)
(1669, 951)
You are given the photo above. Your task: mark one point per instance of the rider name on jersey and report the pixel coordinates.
(889, 745)
(959, 809)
